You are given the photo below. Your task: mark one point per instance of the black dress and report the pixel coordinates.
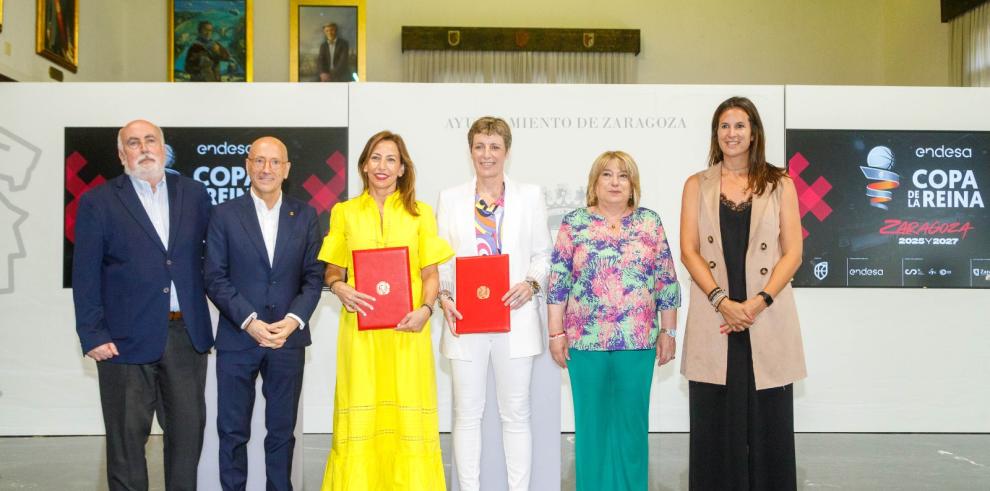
(741, 438)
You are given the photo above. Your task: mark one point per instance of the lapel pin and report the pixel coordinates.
(292, 213)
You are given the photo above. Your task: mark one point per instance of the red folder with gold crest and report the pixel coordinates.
(481, 282)
(383, 274)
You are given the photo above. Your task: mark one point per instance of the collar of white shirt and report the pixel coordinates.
(262, 207)
(142, 185)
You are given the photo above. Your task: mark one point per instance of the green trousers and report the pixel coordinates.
(611, 391)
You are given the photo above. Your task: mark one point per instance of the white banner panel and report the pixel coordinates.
(879, 360)
(892, 360)
(557, 131)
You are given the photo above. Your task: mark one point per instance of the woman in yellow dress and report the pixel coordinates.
(385, 426)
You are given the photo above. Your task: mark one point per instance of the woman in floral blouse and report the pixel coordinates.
(611, 273)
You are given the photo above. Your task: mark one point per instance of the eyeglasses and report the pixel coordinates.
(260, 162)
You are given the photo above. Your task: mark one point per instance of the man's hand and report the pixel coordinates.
(264, 333)
(282, 329)
(103, 352)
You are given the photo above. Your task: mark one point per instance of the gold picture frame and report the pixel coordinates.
(1, 15)
(210, 44)
(309, 59)
(57, 32)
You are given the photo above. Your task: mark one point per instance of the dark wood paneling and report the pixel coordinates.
(520, 39)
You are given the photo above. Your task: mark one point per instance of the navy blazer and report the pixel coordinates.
(121, 272)
(240, 281)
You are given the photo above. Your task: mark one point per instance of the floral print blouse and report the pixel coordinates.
(614, 281)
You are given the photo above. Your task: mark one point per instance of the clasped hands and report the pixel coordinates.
(740, 316)
(516, 297)
(271, 335)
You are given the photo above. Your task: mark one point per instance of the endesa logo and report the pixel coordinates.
(943, 152)
(222, 149)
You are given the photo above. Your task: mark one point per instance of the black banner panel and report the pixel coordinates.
(214, 157)
(892, 208)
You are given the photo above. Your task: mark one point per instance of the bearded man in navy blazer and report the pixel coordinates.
(263, 275)
(137, 286)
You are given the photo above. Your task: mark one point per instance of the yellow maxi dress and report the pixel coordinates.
(385, 424)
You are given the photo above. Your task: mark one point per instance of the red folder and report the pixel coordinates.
(383, 274)
(481, 282)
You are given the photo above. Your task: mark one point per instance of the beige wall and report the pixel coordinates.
(852, 42)
(101, 47)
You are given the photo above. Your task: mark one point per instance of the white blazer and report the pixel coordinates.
(525, 238)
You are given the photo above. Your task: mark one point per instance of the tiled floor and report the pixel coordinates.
(825, 461)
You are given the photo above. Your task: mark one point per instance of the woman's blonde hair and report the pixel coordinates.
(626, 163)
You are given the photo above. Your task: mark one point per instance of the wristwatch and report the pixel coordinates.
(766, 298)
(670, 332)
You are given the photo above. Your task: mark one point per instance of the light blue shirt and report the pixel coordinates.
(155, 204)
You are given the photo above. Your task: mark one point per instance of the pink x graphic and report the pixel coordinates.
(325, 195)
(810, 197)
(76, 187)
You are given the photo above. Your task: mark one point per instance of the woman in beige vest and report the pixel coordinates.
(741, 242)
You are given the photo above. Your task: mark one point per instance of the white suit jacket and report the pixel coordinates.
(525, 238)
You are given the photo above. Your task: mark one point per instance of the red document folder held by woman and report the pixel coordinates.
(481, 282)
(383, 274)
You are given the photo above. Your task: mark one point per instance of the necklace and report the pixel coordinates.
(613, 222)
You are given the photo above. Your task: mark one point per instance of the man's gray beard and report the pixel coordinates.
(146, 173)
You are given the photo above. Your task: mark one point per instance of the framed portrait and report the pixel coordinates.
(210, 41)
(326, 41)
(57, 32)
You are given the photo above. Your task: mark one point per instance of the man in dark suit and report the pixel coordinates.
(334, 58)
(137, 277)
(263, 275)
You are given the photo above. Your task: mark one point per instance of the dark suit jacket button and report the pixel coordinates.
(168, 262)
(763, 270)
(763, 246)
(711, 264)
(273, 282)
(165, 289)
(711, 239)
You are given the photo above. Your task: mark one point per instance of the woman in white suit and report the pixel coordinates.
(494, 215)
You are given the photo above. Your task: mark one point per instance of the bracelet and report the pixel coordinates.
(717, 299)
(720, 302)
(558, 335)
(332, 283)
(428, 307)
(533, 285)
(712, 293)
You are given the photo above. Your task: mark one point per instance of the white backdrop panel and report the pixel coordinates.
(557, 131)
(893, 360)
(910, 368)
